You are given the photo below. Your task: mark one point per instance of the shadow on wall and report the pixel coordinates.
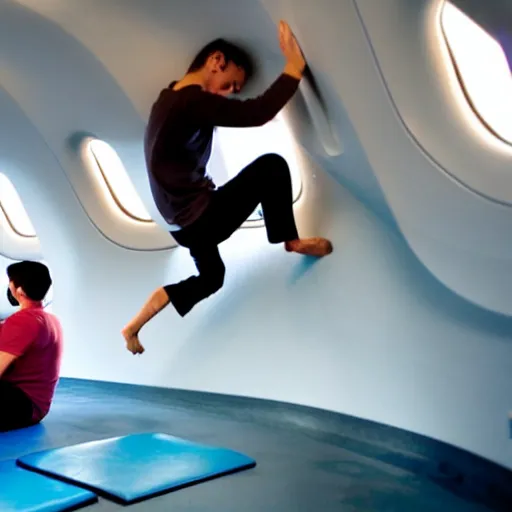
(447, 303)
(301, 269)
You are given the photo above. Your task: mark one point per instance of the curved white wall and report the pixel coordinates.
(460, 236)
(367, 331)
(69, 106)
(423, 86)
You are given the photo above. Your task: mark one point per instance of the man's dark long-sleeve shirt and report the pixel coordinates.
(178, 141)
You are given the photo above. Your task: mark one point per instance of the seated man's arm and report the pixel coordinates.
(17, 333)
(6, 360)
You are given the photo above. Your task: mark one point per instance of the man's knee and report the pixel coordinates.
(273, 161)
(271, 168)
(214, 279)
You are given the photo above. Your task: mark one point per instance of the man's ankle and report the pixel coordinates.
(129, 331)
(290, 244)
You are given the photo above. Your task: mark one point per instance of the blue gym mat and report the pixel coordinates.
(22, 490)
(135, 467)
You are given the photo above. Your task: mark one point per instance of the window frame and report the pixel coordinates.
(113, 195)
(460, 78)
(8, 218)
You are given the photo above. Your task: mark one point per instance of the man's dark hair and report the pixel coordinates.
(33, 277)
(232, 53)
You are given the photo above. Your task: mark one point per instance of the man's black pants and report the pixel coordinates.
(15, 407)
(265, 181)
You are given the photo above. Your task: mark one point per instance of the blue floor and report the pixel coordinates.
(297, 471)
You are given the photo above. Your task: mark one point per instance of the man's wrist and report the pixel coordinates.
(293, 70)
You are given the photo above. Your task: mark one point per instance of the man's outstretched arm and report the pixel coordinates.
(209, 109)
(214, 110)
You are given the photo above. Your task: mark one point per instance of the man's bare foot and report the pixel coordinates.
(310, 246)
(132, 341)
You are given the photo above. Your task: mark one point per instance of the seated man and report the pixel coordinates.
(178, 144)
(30, 349)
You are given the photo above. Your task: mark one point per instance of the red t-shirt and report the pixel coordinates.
(35, 336)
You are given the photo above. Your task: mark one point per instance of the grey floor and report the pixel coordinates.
(294, 472)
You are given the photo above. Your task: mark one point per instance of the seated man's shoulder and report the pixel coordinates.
(31, 319)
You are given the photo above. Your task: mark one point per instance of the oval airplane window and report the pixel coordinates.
(113, 175)
(235, 148)
(13, 211)
(482, 68)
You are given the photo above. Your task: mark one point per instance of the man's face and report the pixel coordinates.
(224, 79)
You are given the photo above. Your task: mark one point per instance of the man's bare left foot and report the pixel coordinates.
(310, 246)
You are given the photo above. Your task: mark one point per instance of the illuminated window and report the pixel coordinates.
(13, 211)
(482, 68)
(117, 181)
(235, 148)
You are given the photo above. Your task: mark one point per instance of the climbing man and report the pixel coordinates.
(178, 144)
